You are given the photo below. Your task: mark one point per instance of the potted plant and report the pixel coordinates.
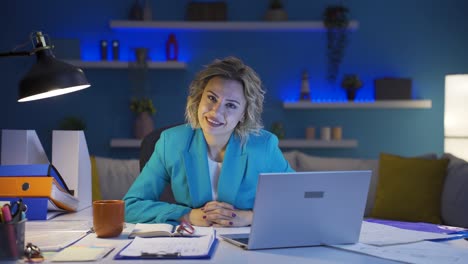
(278, 129)
(276, 12)
(335, 19)
(144, 109)
(72, 123)
(351, 83)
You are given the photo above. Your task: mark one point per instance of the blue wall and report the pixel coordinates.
(423, 40)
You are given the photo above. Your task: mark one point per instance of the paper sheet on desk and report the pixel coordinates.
(55, 235)
(53, 240)
(419, 253)
(383, 235)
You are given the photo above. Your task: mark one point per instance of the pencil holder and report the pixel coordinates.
(12, 240)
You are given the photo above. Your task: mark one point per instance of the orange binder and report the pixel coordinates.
(26, 186)
(37, 181)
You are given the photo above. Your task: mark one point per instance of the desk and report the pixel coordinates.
(228, 253)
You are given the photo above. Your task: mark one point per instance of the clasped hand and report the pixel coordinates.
(220, 214)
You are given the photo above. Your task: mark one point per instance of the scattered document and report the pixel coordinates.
(418, 253)
(53, 240)
(82, 253)
(383, 235)
(59, 225)
(172, 247)
(55, 235)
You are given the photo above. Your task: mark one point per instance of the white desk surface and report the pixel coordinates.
(228, 253)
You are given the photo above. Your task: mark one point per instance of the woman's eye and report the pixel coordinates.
(211, 98)
(231, 106)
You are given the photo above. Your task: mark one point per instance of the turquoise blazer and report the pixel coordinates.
(180, 159)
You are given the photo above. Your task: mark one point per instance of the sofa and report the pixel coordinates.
(113, 177)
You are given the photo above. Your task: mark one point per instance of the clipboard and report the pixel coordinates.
(213, 247)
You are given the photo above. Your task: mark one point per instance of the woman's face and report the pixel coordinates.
(221, 107)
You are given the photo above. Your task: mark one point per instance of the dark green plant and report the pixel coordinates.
(351, 81)
(142, 105)
(278, 129)
(335, 19)
(72, 123)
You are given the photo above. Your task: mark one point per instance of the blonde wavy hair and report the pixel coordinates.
(230, 68)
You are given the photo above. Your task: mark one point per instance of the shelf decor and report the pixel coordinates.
(278, 129)
(335, 19)
(351, 84)
(206, 11)
(305, 88)
(144, 109)
(172, 48)
(276, 12)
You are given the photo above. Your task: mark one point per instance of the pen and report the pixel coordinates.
(10, 229)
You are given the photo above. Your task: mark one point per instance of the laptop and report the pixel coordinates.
(306, 209)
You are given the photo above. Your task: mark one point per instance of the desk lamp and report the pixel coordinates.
(49, 76)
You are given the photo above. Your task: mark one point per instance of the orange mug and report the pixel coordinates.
(108, 217)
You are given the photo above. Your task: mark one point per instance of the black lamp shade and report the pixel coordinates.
(50, 77)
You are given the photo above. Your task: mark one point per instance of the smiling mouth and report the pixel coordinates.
(213, 122)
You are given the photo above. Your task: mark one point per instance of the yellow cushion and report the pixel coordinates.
(409, 189)
(96, 190)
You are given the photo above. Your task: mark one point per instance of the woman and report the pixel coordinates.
(213, 163)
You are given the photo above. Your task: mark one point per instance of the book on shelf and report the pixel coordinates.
(179, 247)
(166, 230)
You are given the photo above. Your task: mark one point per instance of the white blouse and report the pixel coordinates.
(215, 170)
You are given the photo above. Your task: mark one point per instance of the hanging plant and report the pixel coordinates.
(336, 21)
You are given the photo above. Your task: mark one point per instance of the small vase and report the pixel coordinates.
(144, 125)
(136, 12)
(351, 94)
(172, 48)
(141, 55)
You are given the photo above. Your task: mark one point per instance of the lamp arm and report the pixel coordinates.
(16, 53)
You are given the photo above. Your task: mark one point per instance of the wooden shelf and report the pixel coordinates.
(306, 143)
(284, 143)
(225, 25)
(125, 143)
(384, 104)
(171, 65)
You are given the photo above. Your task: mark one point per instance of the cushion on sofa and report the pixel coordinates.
(291, 157)
(115, 176)
(454, 206)
(409, 189)
(313, 163)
